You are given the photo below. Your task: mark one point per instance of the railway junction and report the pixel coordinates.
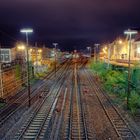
(67, 104)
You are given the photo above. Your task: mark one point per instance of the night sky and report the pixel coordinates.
(74, 24)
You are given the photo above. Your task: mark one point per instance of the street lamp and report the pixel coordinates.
(129, 33)
(89, 49)
(55, 44)
(96, 51)
(26, 32)
(21, 47)
(1, 78)
(120, 41)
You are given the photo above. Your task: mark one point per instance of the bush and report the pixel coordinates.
(134, 102)
(123, 95)
(18, 72)
(115, 81)
(99, 69)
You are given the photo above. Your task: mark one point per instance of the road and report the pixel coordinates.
(70, 105)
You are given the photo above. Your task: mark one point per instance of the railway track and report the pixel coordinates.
(15, 104)
(41, 122)
(63, 112)
(89, 128)
(119, 124)
(76, 127)
(21, 94)
(58, 120)
(43, 90)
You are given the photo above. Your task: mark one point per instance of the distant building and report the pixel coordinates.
(120, 50)
(6, 55)
(37, 55)
(137, 48)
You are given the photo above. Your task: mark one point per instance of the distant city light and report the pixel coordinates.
(120, 41)
(39, 50)
(21, 47)
(105, 48)
(138, 49)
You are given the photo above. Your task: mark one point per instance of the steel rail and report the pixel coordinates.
(20, 137)
(23, 103)
(120, 132)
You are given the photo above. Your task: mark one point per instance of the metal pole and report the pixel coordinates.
(129, 72)
(55, 60)
(37, 71)
(96, 51)
(55, 44)
(28, 70)
(95, 54)
(1, 77)
(108, 56)
(90, 51)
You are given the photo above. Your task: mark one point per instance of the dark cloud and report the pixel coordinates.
(70, 20)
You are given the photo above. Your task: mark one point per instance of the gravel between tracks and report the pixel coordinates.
(98, 120)
(18, 125)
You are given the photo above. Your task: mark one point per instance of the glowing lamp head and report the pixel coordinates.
(26, 30)
(21, 47)
(88, 48)
(105, 48)
(39, 50)
(130, 32)
(120, 41)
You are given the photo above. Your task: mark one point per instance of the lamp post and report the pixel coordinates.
(26, 32)
(1, 78)
(89, 49)
(55, 44)
(129, 33)
(96, 51)
(108, 63)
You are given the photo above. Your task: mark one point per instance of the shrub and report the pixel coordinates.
(134, 102)
(18, 72)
